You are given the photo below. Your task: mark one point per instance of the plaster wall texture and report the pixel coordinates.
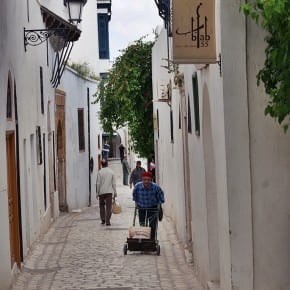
(237, 144)
(270, 167)
(220, 197)
(56, 7)
(77, 162)
(168, 155)
(5, 268)
(248, 152)
(24, 68)
(27, 75)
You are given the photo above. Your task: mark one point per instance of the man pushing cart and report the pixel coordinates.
(148, 197)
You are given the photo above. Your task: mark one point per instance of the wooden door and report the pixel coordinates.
(61, 149)
(13, 199)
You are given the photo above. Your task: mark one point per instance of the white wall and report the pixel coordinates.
(86, 48)
(270, 167)
(220, 198)
(77, 162)
(56, 6)
(239, 165)
(24, 68)
(168, 156)
(5, 270)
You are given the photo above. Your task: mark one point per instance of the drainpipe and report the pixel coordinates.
(89, 147)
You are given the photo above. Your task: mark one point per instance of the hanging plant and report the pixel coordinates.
(273, 16)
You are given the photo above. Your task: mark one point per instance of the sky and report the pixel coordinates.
(130, 20)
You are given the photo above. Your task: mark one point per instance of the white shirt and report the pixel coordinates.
(106, 181)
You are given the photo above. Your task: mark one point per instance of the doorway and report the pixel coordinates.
(61, 149)
(12, 191)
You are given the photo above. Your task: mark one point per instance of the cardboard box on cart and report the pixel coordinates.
(139, 232)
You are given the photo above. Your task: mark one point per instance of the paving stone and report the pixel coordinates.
(79, 253)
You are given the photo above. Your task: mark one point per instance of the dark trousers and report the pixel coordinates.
(148, 217)
(125, 177)
(105, 203)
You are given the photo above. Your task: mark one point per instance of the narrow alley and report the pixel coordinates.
(78, 252)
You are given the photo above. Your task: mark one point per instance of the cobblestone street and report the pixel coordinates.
(79, 253)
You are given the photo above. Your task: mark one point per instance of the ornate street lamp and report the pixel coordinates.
(75, 8)
(61, 33)
(56, 25)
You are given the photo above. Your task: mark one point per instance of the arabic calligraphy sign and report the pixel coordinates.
(194, 31)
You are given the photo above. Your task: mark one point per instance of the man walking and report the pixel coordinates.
(136, 174)
(148, 196)
(122, 152)
(106, 190)
(126, 170)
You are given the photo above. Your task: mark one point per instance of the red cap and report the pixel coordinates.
(146, 174)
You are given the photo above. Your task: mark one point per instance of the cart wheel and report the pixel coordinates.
(158, 250)
(125, 249)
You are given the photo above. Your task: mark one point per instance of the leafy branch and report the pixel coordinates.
(273, 16)
(126, 96)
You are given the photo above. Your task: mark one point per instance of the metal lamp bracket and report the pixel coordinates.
(35, 37)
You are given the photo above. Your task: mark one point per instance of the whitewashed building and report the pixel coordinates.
(223, 164)
(32, 137)
(78, 126)
(80, 122)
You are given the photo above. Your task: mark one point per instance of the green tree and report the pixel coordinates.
(126, 96)
(273, 16)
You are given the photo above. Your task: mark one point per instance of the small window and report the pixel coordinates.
(103, 76)
(81, 129)
(179, 119)
(171, 127)
(9, 99)
(196, 103)
(103, 32)
(158, 124)
(189, 127)
(41, 89)
(38, 145)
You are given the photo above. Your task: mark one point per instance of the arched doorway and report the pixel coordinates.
(12, 163)
(210, 190)
(61, 149)
(61, 181)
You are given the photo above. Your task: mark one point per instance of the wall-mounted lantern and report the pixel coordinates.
(75, 9)
(56, 26)
(61, 33)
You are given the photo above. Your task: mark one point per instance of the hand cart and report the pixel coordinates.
(143, 244)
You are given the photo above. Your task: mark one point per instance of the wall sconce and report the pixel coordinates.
(62, 35)
(35, 37)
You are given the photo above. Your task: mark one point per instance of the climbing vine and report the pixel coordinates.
(274, 17)
(126, 96)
